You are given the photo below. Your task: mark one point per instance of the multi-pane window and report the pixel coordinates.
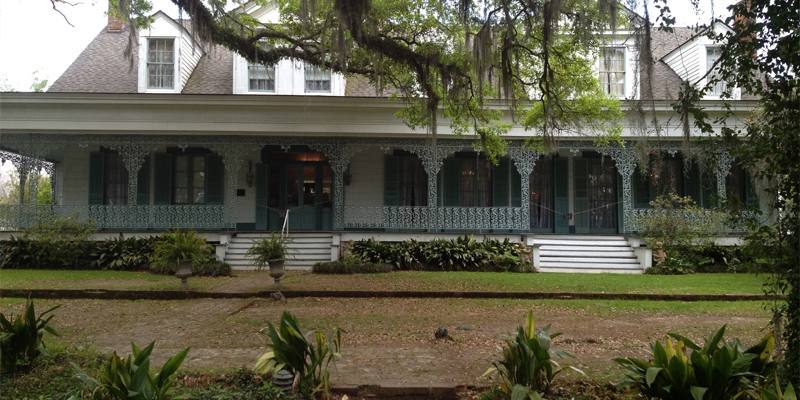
(190, 178)
(612, 71)
(713, 54)
(160, 63)
(475, 183)
(318, 80)
(261, 78)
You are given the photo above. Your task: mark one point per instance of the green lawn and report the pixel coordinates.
(423, 281)
(542, 282)
(82, 279)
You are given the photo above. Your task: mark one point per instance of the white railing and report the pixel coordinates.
(435, 218)
(15, 217)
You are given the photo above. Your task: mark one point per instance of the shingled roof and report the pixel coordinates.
(103, 68)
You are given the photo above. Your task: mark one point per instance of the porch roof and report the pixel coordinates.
(169, 114)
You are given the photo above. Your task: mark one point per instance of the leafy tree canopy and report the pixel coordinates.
(472, 60)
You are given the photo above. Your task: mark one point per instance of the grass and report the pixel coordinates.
(526, 282)
(90, 279)
(406, 280)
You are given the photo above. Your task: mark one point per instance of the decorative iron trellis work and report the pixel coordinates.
(15, 217)
(31, 151)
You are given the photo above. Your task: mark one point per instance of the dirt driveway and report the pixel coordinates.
(390, 341)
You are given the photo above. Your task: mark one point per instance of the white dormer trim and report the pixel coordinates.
(289, 79)
(187, 52)
(689, 60)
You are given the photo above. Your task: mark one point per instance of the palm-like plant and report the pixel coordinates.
(528, 367)
(306, 356)
(265, 250)
(21, 337)
(681, 369)
(130, 378)
(178, 247)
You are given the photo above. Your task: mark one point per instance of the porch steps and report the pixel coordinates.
(303, 249)
(587, 254)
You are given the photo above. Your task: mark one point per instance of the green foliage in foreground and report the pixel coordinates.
(130, 378)
(264, 250)
(718, 370)
(461, 254)
(350, 264)
(528, 366)
(21, 337)
(307, 356)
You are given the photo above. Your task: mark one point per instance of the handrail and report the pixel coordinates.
(285, 226)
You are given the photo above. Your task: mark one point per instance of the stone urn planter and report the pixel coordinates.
(276, 270)
(183, 272)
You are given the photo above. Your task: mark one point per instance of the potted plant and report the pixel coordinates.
(178, 251)
(270, 252)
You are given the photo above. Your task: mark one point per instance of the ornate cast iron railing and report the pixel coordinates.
(435, 218)
(16, 217)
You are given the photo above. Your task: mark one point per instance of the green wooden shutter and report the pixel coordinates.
(261, 197)
(215, 179)
(561, 183)
(96, 169)
(162, 190)
(391, 180)
(580, 168)
(143, 184)
(451, 170)
(500, 183)
(641, 189)
(516, 188)
(692, 184)
(708, 182)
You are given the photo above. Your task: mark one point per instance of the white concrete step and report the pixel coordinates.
(289, 250)
(585, 248)
(584, 270)
(602, 243)
(291, 235)
(596, 265)
(590, 260)
(581, 253)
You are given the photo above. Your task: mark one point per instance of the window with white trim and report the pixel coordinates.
(160, 63)
(612, 71)
(261, 78)
(713, 53)
(317, 80)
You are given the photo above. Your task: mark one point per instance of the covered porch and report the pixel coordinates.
(249, 183)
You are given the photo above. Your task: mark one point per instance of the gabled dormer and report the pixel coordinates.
(168, 55)
(696, 56)
(287, 77)
(616, 65)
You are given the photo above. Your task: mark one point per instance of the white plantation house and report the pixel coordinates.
(187, 136)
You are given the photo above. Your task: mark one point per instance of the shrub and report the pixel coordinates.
(176, 247)
(528, 367)
(124, 254)
(117, 254)
(242, 384)
(264, 250)
(718, 370)
(461, 254)
(306, 356)
(21, 337)
(212, 268)
(350, 264)
(131, 378)
(676, 222)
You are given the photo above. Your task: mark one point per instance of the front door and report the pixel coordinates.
(595, 194)
(304, 190)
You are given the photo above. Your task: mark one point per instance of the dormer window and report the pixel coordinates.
(261, 78)
(160, 63)
(713, 53)
(317, 80)
(612, 71)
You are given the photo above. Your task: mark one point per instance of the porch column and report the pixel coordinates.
(721, 170)
(339, 156)
(524, 161)
(232, 160)
(33, 181)
(133, 157)
(432, 157)
(625, 160)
